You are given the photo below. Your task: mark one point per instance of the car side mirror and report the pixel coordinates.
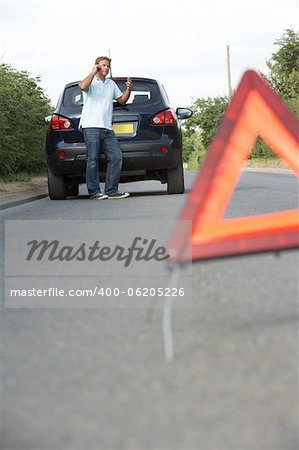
(184, 113)
(47, 120)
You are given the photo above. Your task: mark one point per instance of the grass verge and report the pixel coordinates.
(197, 158)
(22, 182)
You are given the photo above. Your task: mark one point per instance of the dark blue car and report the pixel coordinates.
(147, 128)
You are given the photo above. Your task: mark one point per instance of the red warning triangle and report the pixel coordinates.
(255, 111)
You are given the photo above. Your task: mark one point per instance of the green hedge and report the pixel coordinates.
(23, 106)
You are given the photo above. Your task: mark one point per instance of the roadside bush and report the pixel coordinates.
(261, 150)
(193, 151)
(23, 106)
(207, 114)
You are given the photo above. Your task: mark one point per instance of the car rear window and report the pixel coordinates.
(143, 93)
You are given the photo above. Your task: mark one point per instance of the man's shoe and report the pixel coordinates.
(99, 196)
(118, 195)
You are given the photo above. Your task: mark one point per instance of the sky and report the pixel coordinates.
(182, 43)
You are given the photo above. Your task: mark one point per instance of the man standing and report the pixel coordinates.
(96, 124)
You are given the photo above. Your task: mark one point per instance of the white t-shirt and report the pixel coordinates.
(98, 104)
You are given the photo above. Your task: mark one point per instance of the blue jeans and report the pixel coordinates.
(102, 140)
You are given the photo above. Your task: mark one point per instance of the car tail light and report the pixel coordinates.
(164, 149)
(61, 123)
(166, 117)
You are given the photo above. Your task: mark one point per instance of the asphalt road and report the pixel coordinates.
(97, 379)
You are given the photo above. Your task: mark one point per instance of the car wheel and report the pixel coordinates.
(56, 186)
(72, 190)
(175, 180)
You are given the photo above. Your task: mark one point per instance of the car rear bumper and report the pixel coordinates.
(143, 156)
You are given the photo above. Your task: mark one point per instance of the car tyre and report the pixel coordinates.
(175, 180)
(56, 186)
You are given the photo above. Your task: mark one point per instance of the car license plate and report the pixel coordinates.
(123, 128)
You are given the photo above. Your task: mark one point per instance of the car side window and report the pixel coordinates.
(73, 97)
(77, 97)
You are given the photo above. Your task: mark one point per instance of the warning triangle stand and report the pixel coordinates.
(255, 111)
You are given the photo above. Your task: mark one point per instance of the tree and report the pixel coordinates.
(206, 117)
(283, 77)
(284, 66)
(23, 106)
